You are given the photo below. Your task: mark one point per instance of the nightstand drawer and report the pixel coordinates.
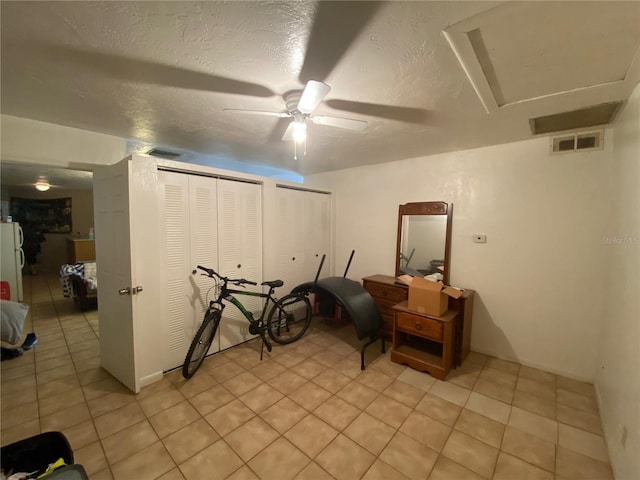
(424, 327)
(386, 292)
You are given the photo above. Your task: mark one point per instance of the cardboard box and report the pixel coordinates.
(430, 298)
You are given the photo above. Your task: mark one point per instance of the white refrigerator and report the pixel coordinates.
(11, 259)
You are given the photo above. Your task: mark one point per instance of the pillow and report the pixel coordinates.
(13, 315)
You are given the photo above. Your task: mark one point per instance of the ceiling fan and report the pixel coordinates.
(335, 26)
(300, 105)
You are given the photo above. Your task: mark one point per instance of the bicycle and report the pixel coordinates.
(288, 319)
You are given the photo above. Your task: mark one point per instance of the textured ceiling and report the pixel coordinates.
(524, 51)
(428, 77)
(20, 175)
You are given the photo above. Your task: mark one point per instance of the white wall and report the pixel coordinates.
(540, 277)
(618, 373)
(33, 142)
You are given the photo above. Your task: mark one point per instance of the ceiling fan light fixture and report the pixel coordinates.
(42, 185)
(299, 131)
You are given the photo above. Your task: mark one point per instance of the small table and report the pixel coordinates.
(424, 342)
(80, 249)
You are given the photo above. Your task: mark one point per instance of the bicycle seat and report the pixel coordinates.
(273, 283)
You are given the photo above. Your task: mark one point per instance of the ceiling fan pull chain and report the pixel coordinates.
(295, 150)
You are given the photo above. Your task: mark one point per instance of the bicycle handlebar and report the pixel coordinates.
(237, 281)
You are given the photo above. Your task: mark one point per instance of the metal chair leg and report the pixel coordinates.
(373, 340)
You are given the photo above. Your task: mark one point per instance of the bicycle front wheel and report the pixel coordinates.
(201, 343)
(289, 318)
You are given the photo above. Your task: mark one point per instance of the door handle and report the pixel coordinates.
(130, 290)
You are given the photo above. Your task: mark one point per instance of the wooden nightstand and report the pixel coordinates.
(423, 342)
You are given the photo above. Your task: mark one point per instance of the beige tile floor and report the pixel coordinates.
(306, 412)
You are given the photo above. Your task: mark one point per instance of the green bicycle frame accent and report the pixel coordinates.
(248, 315)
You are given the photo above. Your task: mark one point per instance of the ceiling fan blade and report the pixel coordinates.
(288, 133)
(339, 122)
(336, 25)
(147, 72)
(257, 112)
(403, 114)
(313, 93)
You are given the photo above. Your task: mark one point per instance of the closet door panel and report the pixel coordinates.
(188, 219)
(284, 268)
(291, 238)
(178, 318)
(240, 251)
(203, 218)
(317, 218)
(251, 221)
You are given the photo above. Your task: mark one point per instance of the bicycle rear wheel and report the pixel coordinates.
(201, 343)
(289, 318)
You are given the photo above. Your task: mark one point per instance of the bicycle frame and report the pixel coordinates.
(228, 295)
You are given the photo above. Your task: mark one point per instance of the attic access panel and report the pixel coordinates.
(521, 51)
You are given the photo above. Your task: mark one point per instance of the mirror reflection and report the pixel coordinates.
(422, 246)
(424, 240)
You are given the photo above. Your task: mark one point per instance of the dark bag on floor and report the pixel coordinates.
(69, 472)
(35, 453)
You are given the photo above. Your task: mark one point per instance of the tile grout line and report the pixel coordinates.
(86, 400)
(248, 367)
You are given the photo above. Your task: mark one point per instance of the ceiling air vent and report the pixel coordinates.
(579, 141)
(583, 118)
(157, 152)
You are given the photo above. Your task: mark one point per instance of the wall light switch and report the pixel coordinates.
(479, 238)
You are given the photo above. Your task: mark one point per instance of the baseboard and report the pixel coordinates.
(149, 379)
(544, 368)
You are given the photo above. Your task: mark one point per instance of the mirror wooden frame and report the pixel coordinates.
(427, 208)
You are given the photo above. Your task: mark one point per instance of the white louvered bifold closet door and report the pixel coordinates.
(303, 234)
(203, 218)
(240, 251)
(291, 236)
(317, 234)
(188, 237)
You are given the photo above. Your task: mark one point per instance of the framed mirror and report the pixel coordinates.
(424, 239)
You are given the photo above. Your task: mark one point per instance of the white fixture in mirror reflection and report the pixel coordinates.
(42, 185)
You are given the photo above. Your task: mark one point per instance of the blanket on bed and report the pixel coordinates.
(85, 270)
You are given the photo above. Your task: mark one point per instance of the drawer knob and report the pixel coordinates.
(418, 326)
